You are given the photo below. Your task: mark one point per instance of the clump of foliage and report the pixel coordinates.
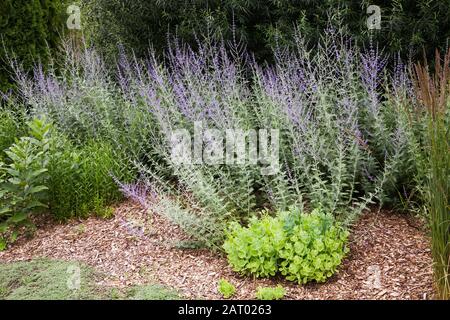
(81, 179)
(226, 288)
(303, 247)
(45, 171)
(433, 93)
(255, 249)
(268, 293)
(23, 179)
(314, 248)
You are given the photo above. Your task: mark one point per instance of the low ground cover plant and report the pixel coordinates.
(49, 280)
(44, 279)
(151, 292)
(226, 288)
(269, 293)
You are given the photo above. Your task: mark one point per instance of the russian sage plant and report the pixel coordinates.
(341, 145)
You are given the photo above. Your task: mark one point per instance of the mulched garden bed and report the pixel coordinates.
(390, 257)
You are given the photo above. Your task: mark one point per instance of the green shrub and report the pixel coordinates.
(10, 129)
(46, 170)
(255, 249)
(303, 247)
(226, 288)
(81, 179)
(314, 248)
(268, 293)
(22, 180)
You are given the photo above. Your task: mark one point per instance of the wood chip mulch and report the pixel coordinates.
(389, 257)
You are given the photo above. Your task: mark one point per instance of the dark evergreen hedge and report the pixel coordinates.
(407, 25)
(29, 28)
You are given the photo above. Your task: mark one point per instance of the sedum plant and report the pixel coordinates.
(268, 293)
(226, 288)
(303, 247)
(314, 248)
(255, 249)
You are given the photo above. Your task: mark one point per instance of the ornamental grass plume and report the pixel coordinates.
(433, 94)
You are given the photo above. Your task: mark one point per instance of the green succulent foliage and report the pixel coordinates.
(22, 179)
(269, 293)
(255, 249)
(314, 248)
(303, 247)
(226, 288)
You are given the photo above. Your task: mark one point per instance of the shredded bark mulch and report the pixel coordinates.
(389, 257)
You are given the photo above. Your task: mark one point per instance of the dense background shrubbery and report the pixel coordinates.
(32, 29)
(407, 25)
(29, 30)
